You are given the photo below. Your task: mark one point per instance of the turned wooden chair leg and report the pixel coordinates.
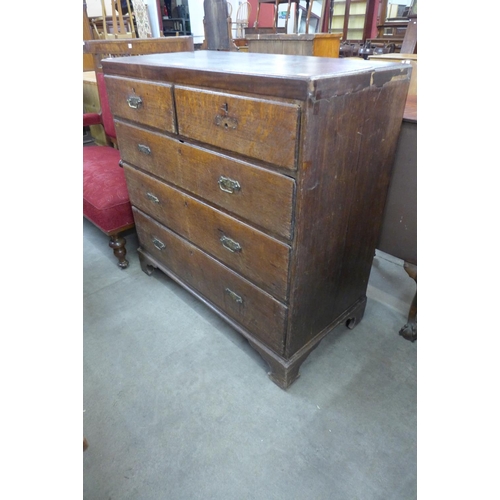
(409, 330)
(117, 243)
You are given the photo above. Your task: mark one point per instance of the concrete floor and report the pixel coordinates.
(178, 406)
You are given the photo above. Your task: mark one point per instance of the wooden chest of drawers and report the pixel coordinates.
(258, 183)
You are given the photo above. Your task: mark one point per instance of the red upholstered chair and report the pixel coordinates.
(105, 196)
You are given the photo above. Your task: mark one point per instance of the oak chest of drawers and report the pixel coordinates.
(258, 183)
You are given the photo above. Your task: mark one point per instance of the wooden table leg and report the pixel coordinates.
(409, 330)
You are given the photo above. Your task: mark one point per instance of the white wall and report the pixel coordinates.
(196, 15)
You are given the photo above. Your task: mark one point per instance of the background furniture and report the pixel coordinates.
(349, 18)
(317, 44)
(105, 196)
(242, 16)
(142, 20)
(118, 25)
(399, 225)
(88, 63)
(217, 26)
(409, 45)
(276, 4)
(174, 26)
(237, 196)
(92, 104)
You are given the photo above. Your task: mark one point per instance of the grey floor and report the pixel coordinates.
(178, 406)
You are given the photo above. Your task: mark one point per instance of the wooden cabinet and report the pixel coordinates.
(315, 44)
(349, 19)
(258, 183)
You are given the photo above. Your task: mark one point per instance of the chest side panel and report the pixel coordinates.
(341, 189)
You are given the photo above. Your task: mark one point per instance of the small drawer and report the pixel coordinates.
(258, 128)
(257, 195)
(148, 103)
(254, 309)
(254, 254)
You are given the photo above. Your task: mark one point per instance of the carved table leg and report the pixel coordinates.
(409, 330)
(117, 243)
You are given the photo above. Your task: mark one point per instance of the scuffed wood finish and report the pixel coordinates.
(148, 103)
(251, 127)
(202, 172)
(321, 134)
(260, 258)
(256, 310)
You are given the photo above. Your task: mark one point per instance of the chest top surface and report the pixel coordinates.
(289, 76)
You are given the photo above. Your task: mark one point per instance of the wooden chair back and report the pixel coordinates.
(242, 16)
(122, 26)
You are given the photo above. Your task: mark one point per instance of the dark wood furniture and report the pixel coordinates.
(399, 227)
(258, 183)
(175, 26)
(409, 45)
(217, 26)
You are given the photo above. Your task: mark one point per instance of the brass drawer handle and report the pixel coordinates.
(226, 122)
(134, 102)
(144, 149)
(231, 245)
(228, 185)
(234, 296)
(158, 244)
(152, 197)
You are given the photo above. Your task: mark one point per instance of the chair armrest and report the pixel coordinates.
(91, 119)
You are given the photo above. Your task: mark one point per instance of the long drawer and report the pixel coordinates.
(258, 128)
(148, 103)
(254, 309)
(236, 186)
(254, 254)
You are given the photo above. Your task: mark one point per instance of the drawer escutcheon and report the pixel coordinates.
(227, 122)
(234, 296)
(134, 102)
(158, 244)
(231, 245)
(228, 185)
